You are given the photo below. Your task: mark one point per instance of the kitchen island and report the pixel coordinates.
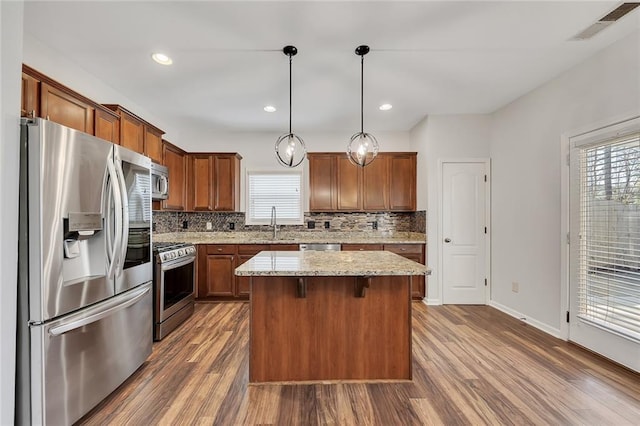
(330, 316)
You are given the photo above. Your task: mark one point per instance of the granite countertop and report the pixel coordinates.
(240, 237)
(329, 263)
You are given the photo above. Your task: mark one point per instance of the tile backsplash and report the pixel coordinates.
(164, 221)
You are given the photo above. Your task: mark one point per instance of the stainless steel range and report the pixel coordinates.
(174, 286)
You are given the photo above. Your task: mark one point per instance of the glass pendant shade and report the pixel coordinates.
(290, 150)
(362, 149)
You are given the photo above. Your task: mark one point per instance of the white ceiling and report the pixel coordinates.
(430, 57)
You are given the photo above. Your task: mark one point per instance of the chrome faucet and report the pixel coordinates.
(273, 222)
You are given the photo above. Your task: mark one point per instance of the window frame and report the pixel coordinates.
(249, 220)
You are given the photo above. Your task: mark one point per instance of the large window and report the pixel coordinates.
(282, 190)
(609, 245)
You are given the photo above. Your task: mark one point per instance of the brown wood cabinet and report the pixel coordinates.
(153, 143)
(66, 109)
(402, 181)
(138, 135)
(375, 187)
(348, 184)
(107, 125)
(387, 184)
(415, 252)
(44, 97)
(175, 160)
(216, 269)
(30, 101)
(322, 178)
(214, 181)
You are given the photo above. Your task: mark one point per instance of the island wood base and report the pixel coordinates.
(330, 328)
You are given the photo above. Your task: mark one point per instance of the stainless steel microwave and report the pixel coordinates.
(159, 182)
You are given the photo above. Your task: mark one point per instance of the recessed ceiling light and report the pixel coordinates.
(162, 59)
(270, 108)
(385, 107)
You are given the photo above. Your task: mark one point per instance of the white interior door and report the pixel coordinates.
(463, 245)
(604, 267)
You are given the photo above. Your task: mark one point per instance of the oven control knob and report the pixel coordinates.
(180, 252)
(165, 257)
(173, 254)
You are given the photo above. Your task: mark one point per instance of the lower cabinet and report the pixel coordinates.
(415, 252)
(216, 269)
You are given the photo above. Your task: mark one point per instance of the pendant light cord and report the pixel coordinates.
(362, 94)
(290, 60)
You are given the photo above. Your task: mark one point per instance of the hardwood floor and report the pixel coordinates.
(471, 365)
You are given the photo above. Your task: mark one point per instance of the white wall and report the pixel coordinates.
(10, 75)
(435, 138)
(526, 173)
(59, 67)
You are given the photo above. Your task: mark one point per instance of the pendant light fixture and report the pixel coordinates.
(363, 147)
(290, 148)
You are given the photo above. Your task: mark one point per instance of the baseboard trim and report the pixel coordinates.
(535, 323)
(432, 302)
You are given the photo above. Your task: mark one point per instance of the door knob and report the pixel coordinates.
(447, 240)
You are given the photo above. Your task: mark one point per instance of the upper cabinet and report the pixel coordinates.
(176, 161)
(46, 98)
(30, 104)
(107, 125)
(387, 184)
(402, 181)
(138, 135)
(214, 181)
(322, 181)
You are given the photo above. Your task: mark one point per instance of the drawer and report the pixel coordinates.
(404, 248)
(252, 248)
(221, 249)
(362, 247)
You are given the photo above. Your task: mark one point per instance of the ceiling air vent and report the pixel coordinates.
(605, 21)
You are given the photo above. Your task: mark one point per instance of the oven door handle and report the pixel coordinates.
(178, 263)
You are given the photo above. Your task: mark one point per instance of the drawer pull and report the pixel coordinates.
(219, 249)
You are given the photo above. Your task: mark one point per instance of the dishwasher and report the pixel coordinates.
(320, 247)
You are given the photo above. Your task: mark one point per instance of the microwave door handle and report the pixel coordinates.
(125, 216)
(98, 313)
(163, 184)
(117, 201)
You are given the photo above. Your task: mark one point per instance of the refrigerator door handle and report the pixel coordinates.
(99, 313)
(117, 200)
(125, 216)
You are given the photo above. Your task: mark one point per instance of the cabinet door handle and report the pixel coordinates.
(219, 249)
(447, 240)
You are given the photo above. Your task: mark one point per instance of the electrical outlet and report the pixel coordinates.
(374, 225)
(153, 227)
(311, 224)
(232, 225)
(327, 224)
(209, 226)
(515, 287)
(185, 224)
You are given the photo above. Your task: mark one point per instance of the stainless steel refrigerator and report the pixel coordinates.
(85, 270)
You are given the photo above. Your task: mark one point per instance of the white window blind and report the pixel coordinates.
(268, 189)
(609, 251)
